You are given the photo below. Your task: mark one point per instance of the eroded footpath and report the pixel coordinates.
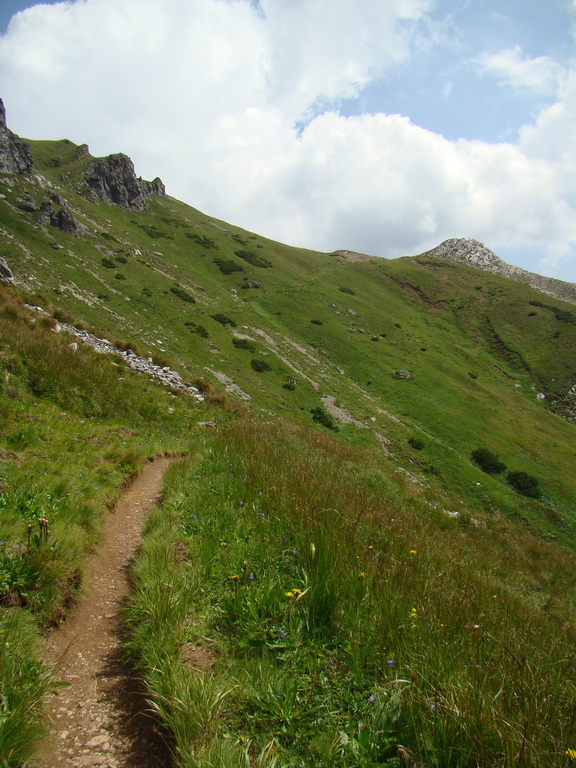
(96, 718)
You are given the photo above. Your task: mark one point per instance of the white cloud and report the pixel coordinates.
(211, 95)
(512, 67)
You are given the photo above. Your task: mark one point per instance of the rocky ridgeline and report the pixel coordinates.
(109, 179)
(113, 179)
(15, 157)
(476, 254)
(164, 375)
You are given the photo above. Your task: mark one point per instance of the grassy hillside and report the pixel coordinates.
(410, 349)
(352, 584)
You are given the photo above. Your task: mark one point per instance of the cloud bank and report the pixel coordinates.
(234, 103)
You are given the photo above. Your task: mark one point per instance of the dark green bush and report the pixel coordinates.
(153, 231)
(253, 258)
(182, 294)
(344, 289)
(321, 416)
(205, 242)
(416, 443)
(223, 319)
(316, 322)
(523, 483)
(120, 276)
(108, 263)
(244, 344)
(488, 461)
(260, 365)
(228, 266)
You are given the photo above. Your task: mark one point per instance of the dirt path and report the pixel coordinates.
(96, 720)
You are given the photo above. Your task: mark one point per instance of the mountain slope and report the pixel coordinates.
(396, 350)
(343, 540)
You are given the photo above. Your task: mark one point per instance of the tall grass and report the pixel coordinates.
(23, 684)
(359, 626)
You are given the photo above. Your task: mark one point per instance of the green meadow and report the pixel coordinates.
(333, 578)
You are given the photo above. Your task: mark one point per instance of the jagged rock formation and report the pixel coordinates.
(476, 254)
(15, 154)
(113, 180)
(61, 219)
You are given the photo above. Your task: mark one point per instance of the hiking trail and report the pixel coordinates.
(96, 719)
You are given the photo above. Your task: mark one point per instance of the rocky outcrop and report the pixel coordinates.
(15, 157)
(112, 179)
(475, 254)
(61, 219)
(5, 272)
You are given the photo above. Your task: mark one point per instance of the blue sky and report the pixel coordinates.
(384, 126)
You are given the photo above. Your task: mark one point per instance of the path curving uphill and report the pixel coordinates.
(96, 719)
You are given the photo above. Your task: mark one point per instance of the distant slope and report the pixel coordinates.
(475, 254)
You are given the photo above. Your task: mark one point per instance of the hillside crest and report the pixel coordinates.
(475, 254)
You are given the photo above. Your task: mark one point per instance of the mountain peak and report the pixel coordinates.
(468, 251)
(473, 253)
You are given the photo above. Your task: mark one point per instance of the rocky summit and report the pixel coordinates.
(475, 254)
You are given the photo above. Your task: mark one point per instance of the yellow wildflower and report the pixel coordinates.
(289, 594)
(362, 575)
(413, 552)
(571, 754)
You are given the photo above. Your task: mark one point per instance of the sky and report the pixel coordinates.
(380, 126)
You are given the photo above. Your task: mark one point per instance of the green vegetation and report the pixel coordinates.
(203, 240)
(312, 619)
(253, 259)
(182, 294)
(488, 461)
(244, 344)
(228, 266)
(321, 416)
(367, 598)
(223, 319)
(259, 365)
(524, 483)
